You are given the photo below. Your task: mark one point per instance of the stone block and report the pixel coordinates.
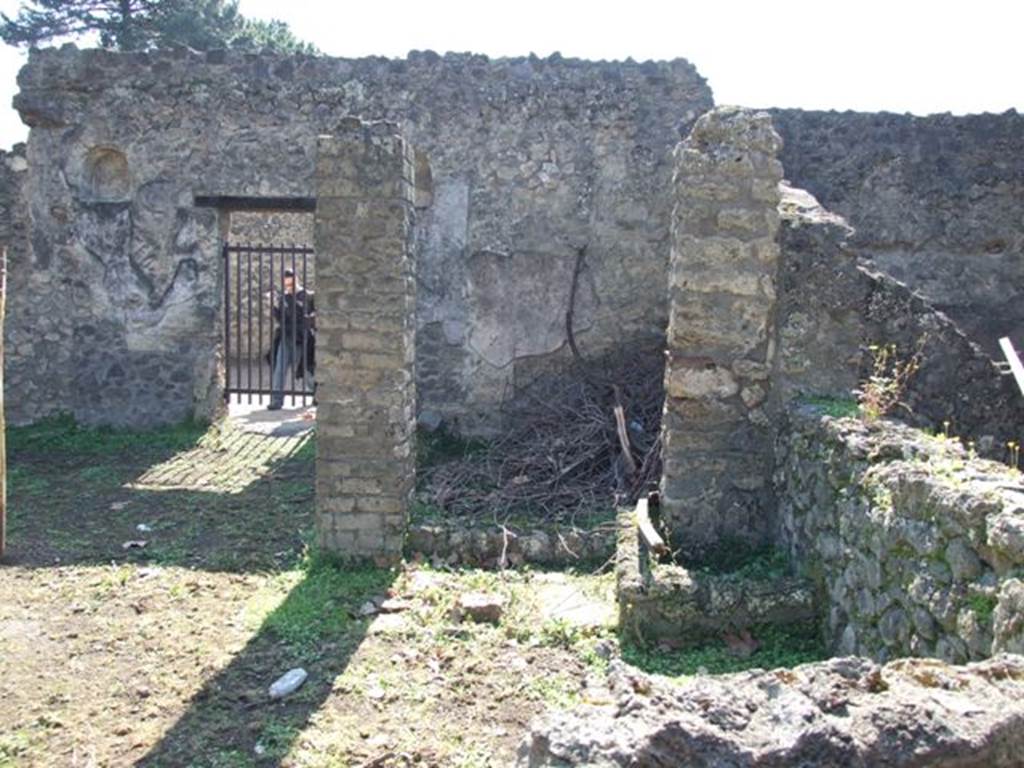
(699, 381)
(717, 325)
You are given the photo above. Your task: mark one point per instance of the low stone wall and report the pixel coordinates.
(659, 601)
(496, 547)
(916, 546)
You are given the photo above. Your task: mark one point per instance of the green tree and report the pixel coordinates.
(137, 25)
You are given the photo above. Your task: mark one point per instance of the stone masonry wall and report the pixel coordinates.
(520, 162)
(832, 308)
(32, 350)
(365, 313)
(717, 435)
(916, 546)
(271, 228)
(937, 202)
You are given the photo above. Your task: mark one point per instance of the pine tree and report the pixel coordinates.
(138, 25)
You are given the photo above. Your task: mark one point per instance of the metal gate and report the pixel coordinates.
(254, 285)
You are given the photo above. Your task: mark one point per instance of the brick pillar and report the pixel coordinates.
(717, 430)
(365, 317)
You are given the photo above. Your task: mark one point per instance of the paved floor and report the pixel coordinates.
(287, 422)
(236, 453)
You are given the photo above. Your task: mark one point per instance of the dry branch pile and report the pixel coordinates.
(561, 461)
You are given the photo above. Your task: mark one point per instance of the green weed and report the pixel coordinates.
(983, 606)
(738, 558)
(779, 647)
(890, 374)
(13, 747)
(833, 406)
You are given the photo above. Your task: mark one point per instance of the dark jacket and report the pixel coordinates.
(299, 321)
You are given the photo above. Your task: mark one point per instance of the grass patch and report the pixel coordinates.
(64, 434)
(276, 738)
(316, 610)
(557, 691)
(780, 647)
(23, 481)
(836, 407)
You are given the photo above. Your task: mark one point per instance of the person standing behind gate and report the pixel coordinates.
(295, 315)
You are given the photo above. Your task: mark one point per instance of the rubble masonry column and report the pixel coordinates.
(365, 317)
(717, 430)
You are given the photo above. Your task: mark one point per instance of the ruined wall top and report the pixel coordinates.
(473, 79)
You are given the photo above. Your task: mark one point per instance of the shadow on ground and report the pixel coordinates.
(216, 498)
(231, 720)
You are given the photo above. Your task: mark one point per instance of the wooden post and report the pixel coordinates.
(3, 425)
(1013, 361)
(644, 523)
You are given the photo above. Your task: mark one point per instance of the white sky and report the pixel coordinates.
(915, 56)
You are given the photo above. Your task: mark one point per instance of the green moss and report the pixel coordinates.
(902, 550)
(833, 406)
(983, 606)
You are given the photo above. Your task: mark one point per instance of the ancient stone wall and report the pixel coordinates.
(716, 433)
(917, 547)
(521, 162)
(832, 309)
(937, 202)
(367, 304)
(286, 228)
(32, 347)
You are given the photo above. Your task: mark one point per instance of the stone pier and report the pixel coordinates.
(717, 429)
(365, 316)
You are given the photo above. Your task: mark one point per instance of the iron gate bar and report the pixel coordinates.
(238, 325)
(259, 291)
(273, 296)
(306, 374)
(227, 324)
(248, 341)
(295, 324)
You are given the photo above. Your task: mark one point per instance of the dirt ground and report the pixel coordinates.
(156, 584)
